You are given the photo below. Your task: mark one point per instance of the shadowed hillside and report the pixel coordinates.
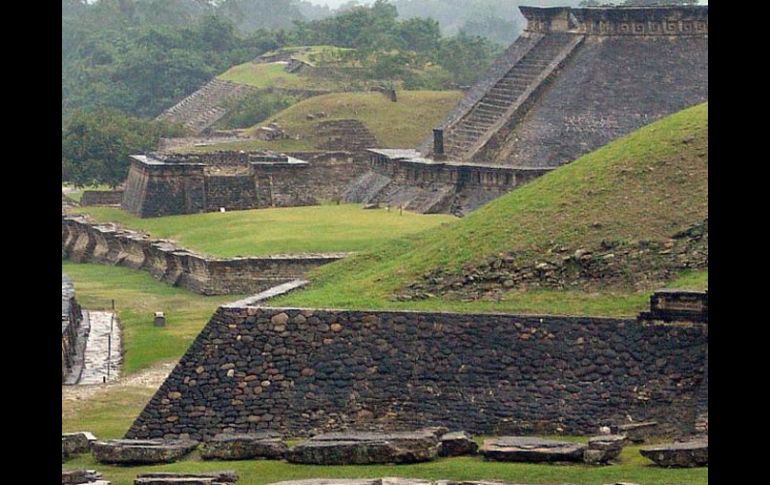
(626, 219)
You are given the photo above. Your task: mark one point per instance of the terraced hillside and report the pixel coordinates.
(388, 124)
(626, 219)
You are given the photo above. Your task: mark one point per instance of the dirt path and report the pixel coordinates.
(151, 378)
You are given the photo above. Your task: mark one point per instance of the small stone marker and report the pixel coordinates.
(160, 319)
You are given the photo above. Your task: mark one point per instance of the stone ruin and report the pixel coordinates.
(161, 184)
(204, 107)
(73, 333)
(576, 79)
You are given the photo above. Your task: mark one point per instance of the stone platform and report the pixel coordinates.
(131, 452)
(682, 455)
(358, 448)
(244, 447)
(532, 450)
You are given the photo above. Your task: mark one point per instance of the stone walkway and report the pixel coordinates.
(101, 348)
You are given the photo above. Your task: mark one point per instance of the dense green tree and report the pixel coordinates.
(466, 57)
(96, 145)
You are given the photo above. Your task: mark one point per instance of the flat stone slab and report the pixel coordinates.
(169, 478)
(131, 452)
(458, 443)
(244, 447)
(532, 450)
(358, 448)
(689, 454)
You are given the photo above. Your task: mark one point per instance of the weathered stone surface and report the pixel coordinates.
(74, 443)
(636, 432)
(141, 451)
(244, 446)
(688, 454)
(356, 448)
(75, 477)
(603, 449)
(170, 478)
(531, 450)
(457, 443)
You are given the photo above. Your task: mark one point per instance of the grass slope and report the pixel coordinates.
(314, 229)
(137, 295)
(395, 125)
(647, 185)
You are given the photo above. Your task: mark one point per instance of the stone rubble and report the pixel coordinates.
(631, 264)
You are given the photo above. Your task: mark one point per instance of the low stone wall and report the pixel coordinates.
(87, 242)
(301, 372)
(71, 316)
(101, 197)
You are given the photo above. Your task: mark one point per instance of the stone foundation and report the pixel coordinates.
(167, 184)
(86, 242)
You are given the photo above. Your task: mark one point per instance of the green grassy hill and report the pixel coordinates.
(395, 125)
(646, 186)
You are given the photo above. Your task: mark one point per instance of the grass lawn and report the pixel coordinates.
(648, 185)
(137, 295)
(325, 228)
(633, 468)
(405, 123)
(264, 76)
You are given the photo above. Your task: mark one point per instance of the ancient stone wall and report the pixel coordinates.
(101, 197)
(71, 316)
(191, 183)
(87, 242)
(303, 371)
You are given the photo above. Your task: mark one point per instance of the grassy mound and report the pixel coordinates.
(260, 232)
(395, 125)
(645, 186)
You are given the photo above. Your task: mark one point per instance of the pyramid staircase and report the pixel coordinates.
(466, 136)
(207, 105)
